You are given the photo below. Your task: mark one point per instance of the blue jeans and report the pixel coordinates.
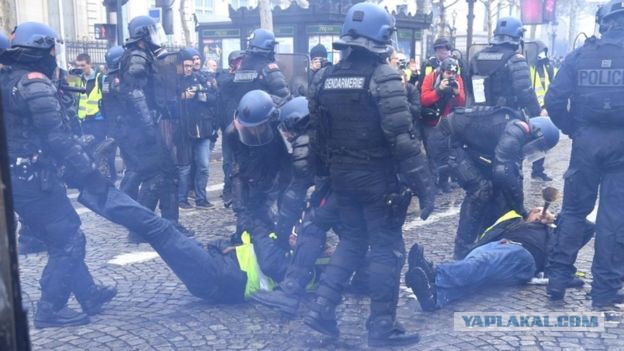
(493, 264)
(201, 158)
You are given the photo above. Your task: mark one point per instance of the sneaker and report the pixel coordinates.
(542, 176)
(100, 295)
(203, 204)
(47, 317)
(420, 277)
(185, 205)
(416, 258)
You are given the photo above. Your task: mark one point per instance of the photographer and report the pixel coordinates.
(318, 60)
(442, 90)
(197, 131)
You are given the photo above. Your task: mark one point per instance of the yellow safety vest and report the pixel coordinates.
(506, 217)
(540, 86)
(246, 256)
(89, 105)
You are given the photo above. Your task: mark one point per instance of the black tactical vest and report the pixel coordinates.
(22, 139)
(599, 93)
(112, 103)
(351, 122)
(491, 63)
(249, 76)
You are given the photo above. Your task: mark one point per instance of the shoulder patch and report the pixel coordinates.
(273, 66)
(490, 56)
(525, 126)
(35, 75)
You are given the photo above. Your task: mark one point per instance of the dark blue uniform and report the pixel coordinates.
(591, 79)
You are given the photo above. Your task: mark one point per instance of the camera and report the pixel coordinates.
(453, 83)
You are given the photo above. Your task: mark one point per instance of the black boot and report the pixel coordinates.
(46, 316)
(421, 279)
(322, 317)
(555, 290)
(541, 175)
(386, 331)
(283, 301)
(99, 296)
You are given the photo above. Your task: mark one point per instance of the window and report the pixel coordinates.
(239, 3)
(204, 7)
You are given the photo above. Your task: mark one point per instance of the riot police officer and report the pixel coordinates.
(142, 90)
(364, 131)
(258, 69)
(590, 83)
(39, 142)
(499, 75)
(487, 147)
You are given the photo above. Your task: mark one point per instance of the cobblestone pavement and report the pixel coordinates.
(154, 311)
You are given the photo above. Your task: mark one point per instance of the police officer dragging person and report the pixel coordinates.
(499, 75)
(487, 147)
(260, 159)
(364, 132)
(197, 130)
(144, 91)
(509, 253)
(585, 102)
(40, 143)
(542, 73)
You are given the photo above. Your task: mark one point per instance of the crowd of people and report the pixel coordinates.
(347, 158)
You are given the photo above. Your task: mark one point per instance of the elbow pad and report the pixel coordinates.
(139, 104)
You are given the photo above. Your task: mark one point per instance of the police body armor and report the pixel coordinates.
(112, 102)
(22, 140)
(350, 121)
(491, 80)
(478, 129)
(251, 76)
(127, 78)
(599, 93)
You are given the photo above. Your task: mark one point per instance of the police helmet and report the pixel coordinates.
(607, 12)
(146, 28)
(253, 118)
(449, 65)
(294, 115)
(261, 41)
(545, 137)
(5, 43)
(368, 26)
(113, 57)
(34, 35)
(234, 55)
(509, 30)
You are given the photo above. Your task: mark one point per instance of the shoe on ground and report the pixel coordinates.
(185, 205)
(386, 332)
(416, 258)
(541, 176)
(616, 299)
(555, 293)
(286, 303)
(424, 289)
(100, 295)
(203, 204)
(47, 317)
(322, 318)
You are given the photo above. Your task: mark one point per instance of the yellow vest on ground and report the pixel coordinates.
(89, 105)
(506, 217)
(246, 256)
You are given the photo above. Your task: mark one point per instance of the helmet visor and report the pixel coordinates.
(157, 35)
(257, 135)
(534, 150)
(60, 54)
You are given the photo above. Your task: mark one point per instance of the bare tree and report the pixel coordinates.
(185, 26)
(442, 6)
(266, 16)
(7, 15)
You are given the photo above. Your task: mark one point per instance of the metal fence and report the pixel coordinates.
(96, 49)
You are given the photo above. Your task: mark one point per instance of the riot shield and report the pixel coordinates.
(167, 83)
(295, 69)
(13, 322)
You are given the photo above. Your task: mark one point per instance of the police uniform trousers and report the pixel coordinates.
(40, 198)
(367, 221)
(596, 167)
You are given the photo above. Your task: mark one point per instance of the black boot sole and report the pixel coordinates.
(416, 279)
(416, 258)
(290, 310)
(319, 327)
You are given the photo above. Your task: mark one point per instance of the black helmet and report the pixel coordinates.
(261, 41)
(186, 54)
(294, 115)
(253, 118)
(368, 26)
(318, 51)
(608, 12)
(449, 65)
(509, 30)
(146, 28)
(234, 55)
(113, 57)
